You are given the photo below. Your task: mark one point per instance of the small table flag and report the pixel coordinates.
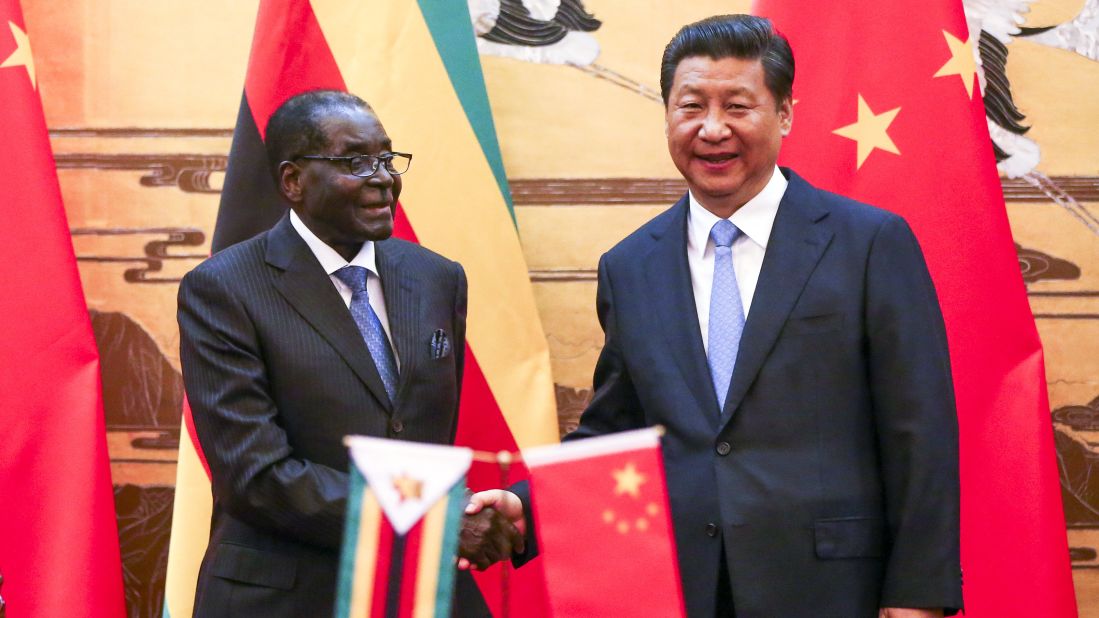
(401, 537)
(604, 527)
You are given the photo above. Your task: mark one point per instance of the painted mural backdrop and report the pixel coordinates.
(141, 98)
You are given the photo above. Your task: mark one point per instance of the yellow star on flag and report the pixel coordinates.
(21, 57)
(961, 61)
(408, 487)
(870, 131)
(628, 481)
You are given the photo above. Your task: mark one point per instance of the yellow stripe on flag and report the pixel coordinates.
(366, 555)
(190, 530)
(431, 546)
(387, 55)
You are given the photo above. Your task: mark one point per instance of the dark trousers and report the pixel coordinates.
(724, 590)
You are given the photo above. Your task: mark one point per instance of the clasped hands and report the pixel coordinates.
(493, 528)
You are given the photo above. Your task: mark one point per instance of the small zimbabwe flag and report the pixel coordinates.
(401, 537)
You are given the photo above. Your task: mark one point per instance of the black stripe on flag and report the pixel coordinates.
(250, 201)
(396, 572)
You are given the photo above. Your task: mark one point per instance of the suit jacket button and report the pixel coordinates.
(711, 529)
(397, 426)
(724, 448)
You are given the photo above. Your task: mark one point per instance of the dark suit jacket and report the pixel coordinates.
(831, 475)
(276, 374)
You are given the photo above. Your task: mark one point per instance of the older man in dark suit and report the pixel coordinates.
(791, 343)
(320, 328)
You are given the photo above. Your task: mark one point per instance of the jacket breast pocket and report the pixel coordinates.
(254, 566)
(849, 537)
(810, 324)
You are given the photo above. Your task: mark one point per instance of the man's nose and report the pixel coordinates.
(381, 176)
(714, 127)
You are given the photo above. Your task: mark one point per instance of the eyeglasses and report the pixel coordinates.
(365, 166)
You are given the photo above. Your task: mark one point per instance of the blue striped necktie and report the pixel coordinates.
(726, 311)
(370, 326)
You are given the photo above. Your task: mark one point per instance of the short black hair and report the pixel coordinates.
(733, 36)
(295, 127)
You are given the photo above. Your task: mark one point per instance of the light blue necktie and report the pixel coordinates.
(370, 326)
(726, 311)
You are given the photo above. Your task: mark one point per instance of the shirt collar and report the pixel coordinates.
(754, 219)
(330, 260)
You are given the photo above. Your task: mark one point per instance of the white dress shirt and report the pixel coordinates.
(755, 220)
(331, 261)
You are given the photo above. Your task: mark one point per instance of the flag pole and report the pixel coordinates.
(504, 459)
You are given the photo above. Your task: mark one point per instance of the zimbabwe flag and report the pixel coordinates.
(416, 64)
(404, 513)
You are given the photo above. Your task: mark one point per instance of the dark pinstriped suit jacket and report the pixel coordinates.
(277, 373)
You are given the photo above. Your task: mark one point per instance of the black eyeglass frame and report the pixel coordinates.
(375, 159)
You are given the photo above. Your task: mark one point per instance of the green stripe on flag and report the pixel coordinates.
(452, 31)
(350, 543)
(455, 508)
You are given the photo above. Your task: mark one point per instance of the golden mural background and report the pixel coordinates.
(141, 98)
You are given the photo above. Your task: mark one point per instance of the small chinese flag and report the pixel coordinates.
(604, 528)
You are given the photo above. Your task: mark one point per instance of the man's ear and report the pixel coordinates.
(290, 181)
(786, 116)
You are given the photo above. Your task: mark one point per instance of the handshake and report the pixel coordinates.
(493, 529)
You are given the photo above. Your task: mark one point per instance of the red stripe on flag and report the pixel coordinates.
(482, 426)
(410, 570)
(189, 423)
(289, 55)
(481, 422)
(381, 568)
(402, 227)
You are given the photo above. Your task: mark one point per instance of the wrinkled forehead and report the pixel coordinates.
(352, 128)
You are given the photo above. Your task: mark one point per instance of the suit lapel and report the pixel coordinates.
(796, 245)
(402, 304)
(669, 279)
(309, 290)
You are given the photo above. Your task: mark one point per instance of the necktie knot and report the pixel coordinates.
(353, 277)
(724, 233)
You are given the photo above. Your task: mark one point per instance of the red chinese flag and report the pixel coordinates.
(888, 111)
(58, 539)
(604, 528)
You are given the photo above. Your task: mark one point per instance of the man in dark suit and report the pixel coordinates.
(319, 328)
(791, 343)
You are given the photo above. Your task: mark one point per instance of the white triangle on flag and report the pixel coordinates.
(408, 478)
